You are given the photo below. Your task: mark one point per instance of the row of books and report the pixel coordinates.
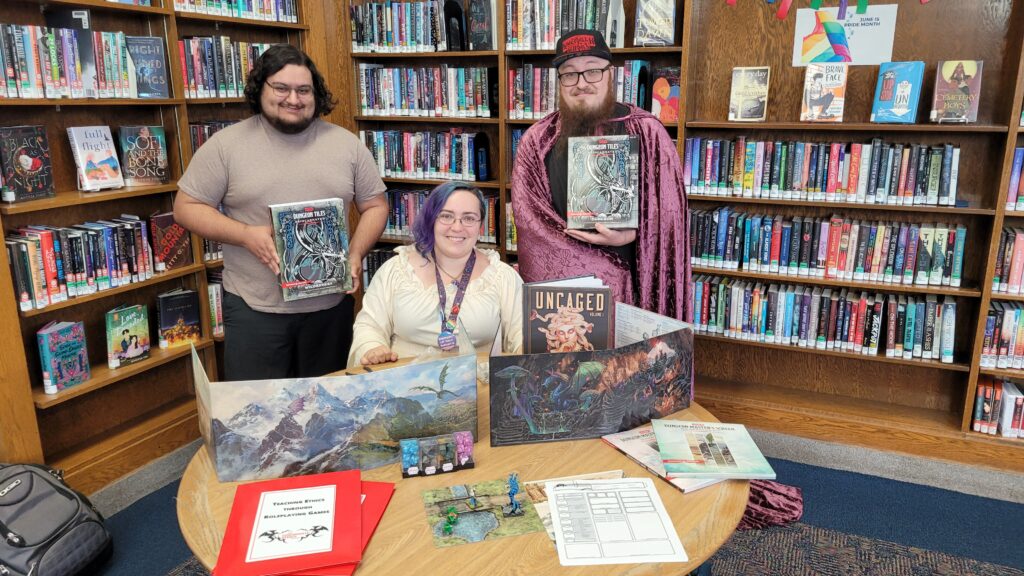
(537, 24)
(27, 170)
(836, 248)
(215, 293)
(53, 264)
(827, 318)
(270, 11)
(1015, 190)
(406, 204)
(431, 154)
(897, 92)
(212, 250)
(511, 235)
(437, 91)
(373, 260)
(393, 26)
(998, 408)
(874, 173)
(215, 66)
(200, 132)
(1003, 341)
(56, 62)
(1009, 267)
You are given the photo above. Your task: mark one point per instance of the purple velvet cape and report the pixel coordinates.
(546, 252)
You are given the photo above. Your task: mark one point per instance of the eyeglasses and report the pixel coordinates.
(467, 220)
(283, 90)
(591, 76)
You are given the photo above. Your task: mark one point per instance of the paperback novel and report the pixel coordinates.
(655, 23)
(312, 243)
(897, 93)
(127, 335)
(603, 182)
(63, 355)
(25, 160)
(177, 315)
(144, 155)
(957, 91)
(95, 158)
(665, 94)
(172, 244)
(824, 93)
(748, 100)
(147, 67)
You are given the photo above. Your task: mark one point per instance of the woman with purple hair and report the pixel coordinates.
(421, 297)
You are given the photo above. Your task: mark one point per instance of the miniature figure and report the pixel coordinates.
(450, 520)
(513, 508)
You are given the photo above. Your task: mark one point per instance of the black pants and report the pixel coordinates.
(260, 345)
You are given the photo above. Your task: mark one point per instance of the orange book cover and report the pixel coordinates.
(824, 93)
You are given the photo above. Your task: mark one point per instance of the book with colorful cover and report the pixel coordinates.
(824, 93)
(63, 355)
(25, 163)
(127, 335)
(571, 315)
(641, 445)
(748, 99)
(147, 67)
(666, 94)
(177, 313)
(957, 91)
(655, 23)
(709, 450)
(95, 157)
(897, 93)
(172, 244)
(144, 155)
(312, 243)
(603, 178)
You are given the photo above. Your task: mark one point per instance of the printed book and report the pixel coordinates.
(897, 92)
(655, 23)
(63, 355)
(709, 450)
(312, 243)
(748, 99)
(665, 94)
(641, 445)
(25, 163)
(824, 93)
(95, 157)
(603, 180)
(570, 315)
(127, 335)
(147, 67)
(144, 155)
(172, 244)
(957, 91)
(177, 313)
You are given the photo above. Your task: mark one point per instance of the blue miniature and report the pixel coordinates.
(513, 508)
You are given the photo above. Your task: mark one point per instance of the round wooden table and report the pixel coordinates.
(403, 544)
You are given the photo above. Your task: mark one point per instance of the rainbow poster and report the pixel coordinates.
(858, 39)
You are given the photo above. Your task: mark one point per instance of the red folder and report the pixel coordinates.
(377, 494)
(345, 533)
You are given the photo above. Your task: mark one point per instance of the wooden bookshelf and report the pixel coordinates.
(67, 198)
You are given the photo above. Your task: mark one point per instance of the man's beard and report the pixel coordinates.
(290, 127)
(577, 121)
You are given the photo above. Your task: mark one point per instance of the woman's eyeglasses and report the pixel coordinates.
(467, 220)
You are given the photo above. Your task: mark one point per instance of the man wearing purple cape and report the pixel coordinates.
(648, 266)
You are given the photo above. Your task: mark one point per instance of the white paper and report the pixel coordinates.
(611, 522)
(535, 490)
(293, 523)
(869, 36)
(634, 324)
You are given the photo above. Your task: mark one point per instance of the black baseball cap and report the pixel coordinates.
(581, 42)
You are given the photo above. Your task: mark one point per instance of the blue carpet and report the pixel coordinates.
(147, 540)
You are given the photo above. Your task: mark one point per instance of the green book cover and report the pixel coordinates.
(127, 335)
(709, 450)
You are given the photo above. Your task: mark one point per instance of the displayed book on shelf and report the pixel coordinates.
(127, 330)
(827, 318)
(836, 247)
(603, 175)
(641, 446)
(870, 173)
(568, 315)
(277, 11)
(428, 91)
(216, 66)
(147, 67)
(666, 94)
(655, 23)
(63, 355)
(27, 171)
(144, 155)
(172, 244)
(897, 93)
(748, 98)
(95, 158)
(957, 91)
(481, 24)
(537, 24)
(177, 314)
(824, 92)
(312, 244)
(709, 450)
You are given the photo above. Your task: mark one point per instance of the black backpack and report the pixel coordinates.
(46, 528)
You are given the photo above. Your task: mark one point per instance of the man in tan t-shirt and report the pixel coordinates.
(283, 153)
